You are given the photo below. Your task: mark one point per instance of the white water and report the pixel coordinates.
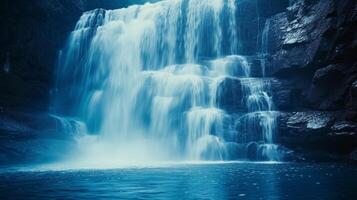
(146, 79)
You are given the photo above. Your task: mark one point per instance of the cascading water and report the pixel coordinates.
(264, 44)
(146, 81)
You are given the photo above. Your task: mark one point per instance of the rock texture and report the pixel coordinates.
(310, 49)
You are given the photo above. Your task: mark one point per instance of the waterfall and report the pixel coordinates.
(264, 44)
(147, 80)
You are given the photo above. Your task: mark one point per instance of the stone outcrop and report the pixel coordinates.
(310, 49)
(316, 133)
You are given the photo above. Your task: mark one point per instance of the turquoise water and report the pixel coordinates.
(186, 181)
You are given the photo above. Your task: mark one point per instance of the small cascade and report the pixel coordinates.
(258, 125)
(264, 45)
(147, 82)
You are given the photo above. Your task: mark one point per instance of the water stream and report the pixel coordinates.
(147, 80)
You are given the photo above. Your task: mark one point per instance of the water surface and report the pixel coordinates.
(186, 181)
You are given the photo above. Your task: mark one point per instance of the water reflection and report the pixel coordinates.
(215, 181)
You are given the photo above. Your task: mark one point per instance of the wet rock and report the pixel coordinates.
(295, 36)
(310, 50)
(317, 134)
(344, 126)
(230, 95)
(286, 94)
(283, 99)
(310, 121)
(327, 75)
(330, 87)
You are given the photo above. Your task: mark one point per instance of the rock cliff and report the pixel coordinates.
(311, 49)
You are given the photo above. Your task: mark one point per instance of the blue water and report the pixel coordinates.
(206, 181)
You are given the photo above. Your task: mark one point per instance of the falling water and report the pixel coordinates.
(146, 81)
(264, 44)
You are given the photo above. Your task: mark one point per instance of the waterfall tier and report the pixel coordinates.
(159, 72)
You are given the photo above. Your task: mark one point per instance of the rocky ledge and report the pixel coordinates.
(315, 135)
(311, 54)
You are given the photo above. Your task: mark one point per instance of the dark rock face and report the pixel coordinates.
(330, 86)
(317, 132)
(295, 36)
(33, 32)
(230, 94)
(310, 49)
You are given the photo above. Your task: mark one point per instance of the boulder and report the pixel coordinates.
(310, 121)
(317, 132)
(230, 95)
(295, 37)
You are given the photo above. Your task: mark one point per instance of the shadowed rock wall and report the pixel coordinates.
(311, 52)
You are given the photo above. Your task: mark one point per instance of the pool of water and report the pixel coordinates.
(186, 181)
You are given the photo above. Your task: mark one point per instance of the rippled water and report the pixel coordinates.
(186, 181)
